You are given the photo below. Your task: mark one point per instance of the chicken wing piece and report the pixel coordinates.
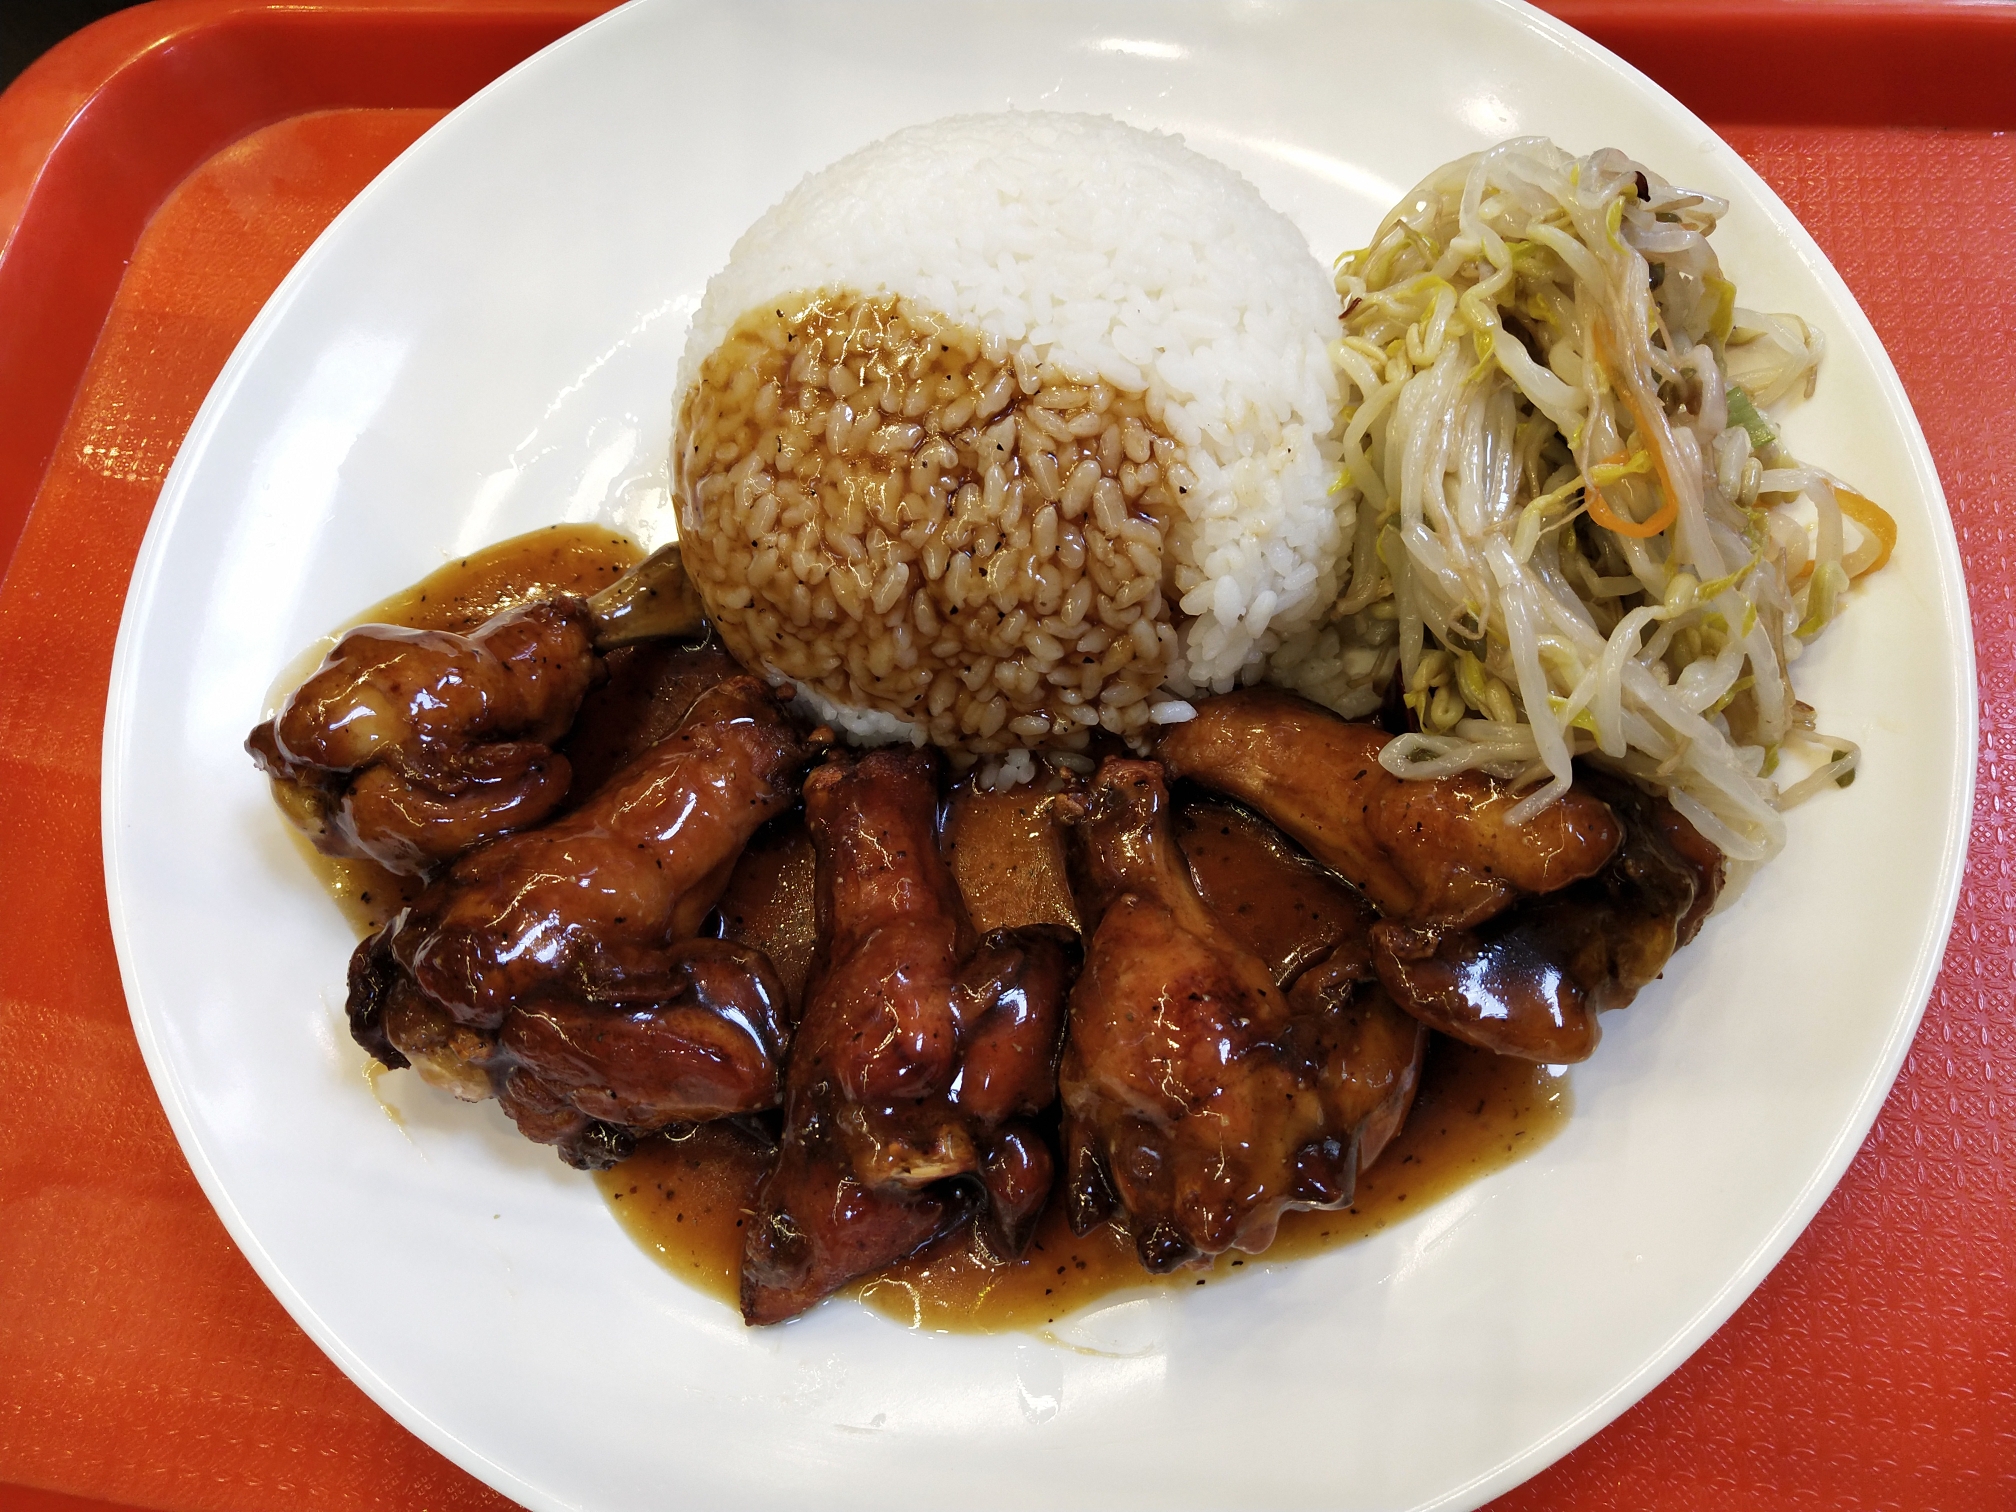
(1194, 1091)
(1283, 907)
(819, 1226)
(1433, 853)
(1012, 993)
(557, 969)
(649, 689)
(411, 746)
(1007, 1004)
(705, 1043)
(589, 901)
(401, 1026)
(881, 1023)
(1367, 1056)
(917, 1058)
(1531, 982)
(1314, 933)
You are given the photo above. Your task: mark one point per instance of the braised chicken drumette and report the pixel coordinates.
(410, 747)
(560, 967)
(917, 1062)
(1203, 1100)
(1315, 934)
(1509, 937)
(1442, 853)
(1531, 982)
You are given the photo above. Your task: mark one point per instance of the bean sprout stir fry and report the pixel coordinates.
(1577, 532)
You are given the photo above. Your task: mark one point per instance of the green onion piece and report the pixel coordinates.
(1742, 412)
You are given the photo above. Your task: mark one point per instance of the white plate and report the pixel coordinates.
(484, 342)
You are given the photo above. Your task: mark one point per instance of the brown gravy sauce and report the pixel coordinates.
(685, 1200)
(685, 1196)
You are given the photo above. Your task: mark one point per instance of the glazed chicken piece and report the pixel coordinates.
(1282, 906)
(702, 1040)
(409, 747)
(1531, 982)
(1315, 934)
(918, 1061)
(559, 965)
(1366, 1057)
(705, 1040)
(592, 900)
(1201, 1100)
(1437, 853)
(645, 697)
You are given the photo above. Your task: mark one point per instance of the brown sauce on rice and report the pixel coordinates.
(905, 517)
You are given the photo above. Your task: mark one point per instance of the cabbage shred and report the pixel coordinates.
(1577, 534)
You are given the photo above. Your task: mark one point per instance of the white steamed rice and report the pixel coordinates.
(1122, 254)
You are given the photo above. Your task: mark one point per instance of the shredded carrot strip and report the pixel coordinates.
(1873, 518)
(1599, 509)
(1601, 512)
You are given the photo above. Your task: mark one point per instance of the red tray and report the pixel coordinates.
(161, 171)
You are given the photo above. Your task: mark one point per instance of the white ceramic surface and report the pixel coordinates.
(484, 342)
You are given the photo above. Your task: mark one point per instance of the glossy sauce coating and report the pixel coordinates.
(1289, 911)
(576, 559)
(920, 1056)
(686, 1203)
(592, 898)
(1204, 1091)
(1441, 855)
(1532, 981)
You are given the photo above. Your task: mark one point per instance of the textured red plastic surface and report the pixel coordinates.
(142, 1362)
(94, 135)
(1939, 63)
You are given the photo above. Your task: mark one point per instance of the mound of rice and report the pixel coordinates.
(1012, 426)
